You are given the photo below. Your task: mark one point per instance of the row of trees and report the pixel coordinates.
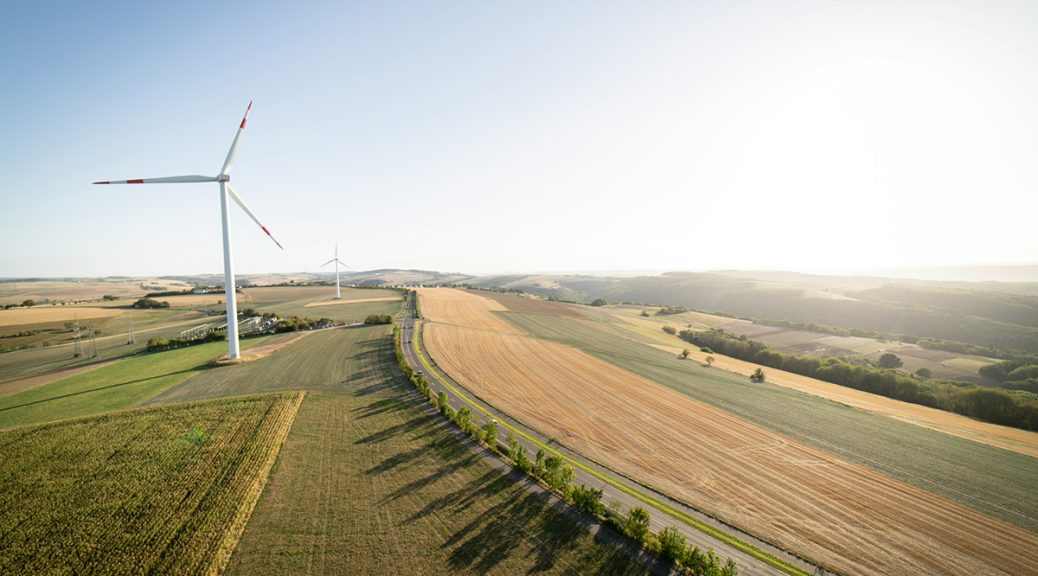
(1018, 409)
(378, 319)
(159, 343)
(146, 303)
(1013, 374)
(553, 472)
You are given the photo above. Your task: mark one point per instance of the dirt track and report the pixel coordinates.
(844, 516)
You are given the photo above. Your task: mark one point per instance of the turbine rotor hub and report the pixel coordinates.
(223, 178)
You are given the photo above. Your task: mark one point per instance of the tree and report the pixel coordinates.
(758, 375)
(890, 360)
(599, 302)
(670, 330)
(672, 544)
(685, 353)
(587, 499)
(28, 303)
(924, 373)
(709, 360)
(517, 453)
(490, 433)
(556, 473)
(636, 525)
(645, 313)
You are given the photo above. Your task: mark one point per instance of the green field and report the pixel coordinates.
(125, 384)
(158, 491)
(371, 482)
(52, 350)
(292, 301)
(995, 481)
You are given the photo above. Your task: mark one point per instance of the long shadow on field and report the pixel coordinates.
(454, 454)
(387, 433)
(487, 541)
(487, 485)
(99, 388)
(383, 406)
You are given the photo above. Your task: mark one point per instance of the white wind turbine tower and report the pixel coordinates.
(224, 178)
(338, 295)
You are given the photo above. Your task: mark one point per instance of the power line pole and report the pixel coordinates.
(79, 346)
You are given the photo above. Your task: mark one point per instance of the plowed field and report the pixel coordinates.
(840, 514)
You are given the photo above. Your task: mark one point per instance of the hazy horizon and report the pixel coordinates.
(981, 273)
(807, 136)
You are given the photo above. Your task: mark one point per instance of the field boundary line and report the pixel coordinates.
(703, 527)
(241, 520)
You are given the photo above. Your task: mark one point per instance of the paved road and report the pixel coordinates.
(439, 381)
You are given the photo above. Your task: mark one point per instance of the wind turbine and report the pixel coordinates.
(338, 295)
(224, 178)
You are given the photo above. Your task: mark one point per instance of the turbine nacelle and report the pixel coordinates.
(223, 178)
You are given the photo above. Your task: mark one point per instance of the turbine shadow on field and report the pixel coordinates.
(100, 388)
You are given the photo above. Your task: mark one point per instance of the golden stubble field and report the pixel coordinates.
(44, 314)
(842, 515)
(1023, 441)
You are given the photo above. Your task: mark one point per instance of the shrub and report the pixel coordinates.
(599, 302)
(670, 330)
(379, 319)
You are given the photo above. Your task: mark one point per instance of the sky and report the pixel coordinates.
(486, 137)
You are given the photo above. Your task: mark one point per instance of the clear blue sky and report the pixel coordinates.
(522, 136)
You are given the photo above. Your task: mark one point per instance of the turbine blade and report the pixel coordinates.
(341, 262)
(329, 262)
(240, 202)
(164, 180)
(229, 162)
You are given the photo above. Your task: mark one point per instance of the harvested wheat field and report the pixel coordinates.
(1023, 441)
(1006, 437)
(42, 314)
(213, 299)
(841, 515)
(356, 301)
(462, 308)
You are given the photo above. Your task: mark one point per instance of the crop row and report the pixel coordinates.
(155, 490)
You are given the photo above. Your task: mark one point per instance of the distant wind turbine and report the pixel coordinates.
(338, 295)
(224, 178)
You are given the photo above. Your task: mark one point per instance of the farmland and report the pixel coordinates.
(178, 486)
(371, 482)
(83, 289)
(942, 364)
(121, 385)
(612, 332)
(40, 347)
(764, 481)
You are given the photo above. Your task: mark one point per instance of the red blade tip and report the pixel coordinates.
(105, 182)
